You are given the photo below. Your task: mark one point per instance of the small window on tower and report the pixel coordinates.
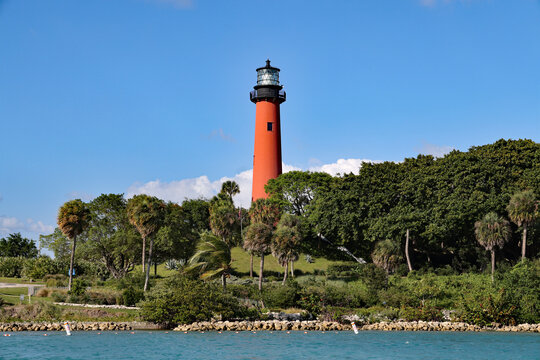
(269, 126)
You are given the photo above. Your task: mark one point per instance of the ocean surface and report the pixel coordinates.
(265, 345)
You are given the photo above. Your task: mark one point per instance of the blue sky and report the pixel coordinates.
(128, 96)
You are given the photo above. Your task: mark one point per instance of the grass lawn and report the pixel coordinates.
(18, 281)
(241, 263)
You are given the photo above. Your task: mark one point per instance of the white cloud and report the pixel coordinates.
(203, 187)
(342, 166)
(10, 225)
(435, 150)
(219, 133)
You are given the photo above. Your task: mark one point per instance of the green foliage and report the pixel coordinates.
(17, 246)
(344, 271)
(146, 213)
(438, 200)
(11, 266)
(311, 302)
(387, 255)
(40, 267)
(197, 215)
(110, 238)
(212, 258)
(132, 296)
(265, 211)
(295, 190)
(258, 237)
(58, 243)
(183, 300)
(424, 313)
(175, 239)
(497, 307)
(281, 297)
(522, 287)
(224, 220)
(78, 287)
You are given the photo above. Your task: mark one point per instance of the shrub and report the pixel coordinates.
(100, 297)
(496, 308)
(131, 296)
(55, 280)
(522, 287)
(43, 292)
(425, 313)
(346, 271)
(11, 266)
(133, 279)
(311, 302)
(59, 296)
(78, 287)
(39, 267)
(281, 297)
(184, 300)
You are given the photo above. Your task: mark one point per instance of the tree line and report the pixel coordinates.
(420, 213)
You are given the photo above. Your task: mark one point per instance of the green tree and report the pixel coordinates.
(73, 218)
(56, 242)
(257, 240)
(230, 188)
(522, 210)
(224, 220)
(286, 242)
(387, 255)
(15, 245)
(297, 189)
(110, 238)
(492, 232)
(197, 215)
(175, 239)
(146, 214)
(212, 259)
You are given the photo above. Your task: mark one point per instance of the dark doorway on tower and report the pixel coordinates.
(269, 126)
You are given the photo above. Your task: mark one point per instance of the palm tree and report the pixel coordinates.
(386, 255)
(257, 240)
(284, 247)
(522, 210)
(212, 258)
(73, 219)
(146, 213)
(224, 220)
(230, 188)
(491, 232)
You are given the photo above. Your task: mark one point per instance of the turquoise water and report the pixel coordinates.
(265, 345)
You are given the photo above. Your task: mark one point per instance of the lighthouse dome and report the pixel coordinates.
(268, 75)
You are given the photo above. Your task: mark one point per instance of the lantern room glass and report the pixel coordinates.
(267, 76)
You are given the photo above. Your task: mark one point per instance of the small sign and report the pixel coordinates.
(21, 297)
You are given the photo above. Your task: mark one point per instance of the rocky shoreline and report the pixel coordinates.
(314, 325)
(57, 326)
(270, 325)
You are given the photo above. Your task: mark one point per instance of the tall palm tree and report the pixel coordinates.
(230, 188)
(257, 240)
(491, 232)
(522, 210)
(73, 219)
(146, 213)
(212, 258)
(387, 255)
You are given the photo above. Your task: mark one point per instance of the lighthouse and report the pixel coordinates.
(267, 95)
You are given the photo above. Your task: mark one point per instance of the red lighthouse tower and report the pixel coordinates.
(267, 95)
